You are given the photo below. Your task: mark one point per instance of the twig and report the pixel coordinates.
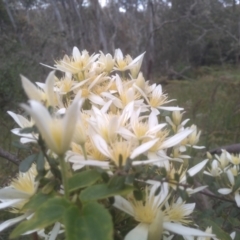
(10, 157)
(217, 197)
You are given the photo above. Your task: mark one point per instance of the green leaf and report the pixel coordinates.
(92, 222)
(234, 221)
(138, 195)
(48, 213)
(117, 182)
(40, 162)
(237, 184)
(28, 129)
(83, 179)
(27, 163)
(19, 145)
(216, 229)
(36, 201)
(102, 191)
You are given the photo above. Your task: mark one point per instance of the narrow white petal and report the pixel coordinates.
(233, 235)
(181, 230)
(224, 191)
(194, 170)
(10, 203)
(122, 204)
(40, 115)
(140, 232)
(11, 193)
(171, 108)
(195, 190)
(49, 88)
(24, 140)
(101, 145)
(55, 231)
(30, 89)
(176, 139)
(76, 54)
(237, 198)
(135, 60)
(69, 123)
(19, 119)
(230, 177)
(11, 222)
(143, 148)
(198, 147)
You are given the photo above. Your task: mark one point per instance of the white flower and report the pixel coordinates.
(23, 123)
(17, 194)
(152, 219)
(156, 99)
(122, 64)
(56, 131)
(45, 93)
(215, 170)
(226, 191)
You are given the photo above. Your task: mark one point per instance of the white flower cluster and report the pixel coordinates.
(229, 165)
(103, 113)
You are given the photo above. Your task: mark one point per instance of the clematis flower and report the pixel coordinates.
(156, 99)
(56, 131)
(226, 191)
(23, 123)
(43, 92)
(80, 61)
(123, 64)
(153, 220)
(17, 194)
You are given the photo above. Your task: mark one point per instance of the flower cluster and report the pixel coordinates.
(103, 115)
(226, 168)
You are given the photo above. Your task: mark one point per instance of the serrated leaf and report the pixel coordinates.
(217, 230)
(102, 191)
(83, 179)
(48, 213)
(92, 222)
(27, 163)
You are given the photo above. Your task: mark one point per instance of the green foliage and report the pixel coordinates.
(83, 179)
(102, 191)
(93, 221)
(53, 208)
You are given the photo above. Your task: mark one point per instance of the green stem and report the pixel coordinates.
(64, 172)
(84, 151)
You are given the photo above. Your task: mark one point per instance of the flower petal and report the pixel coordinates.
(181, 230)
(11, 222)
(140, 232)
(176, 139)
(225, 191)
(122, 204)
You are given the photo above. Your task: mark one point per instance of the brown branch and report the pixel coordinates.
(10, 157)
(234, 148)
(217, 197)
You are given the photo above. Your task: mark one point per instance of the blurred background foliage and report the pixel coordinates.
(192, 49)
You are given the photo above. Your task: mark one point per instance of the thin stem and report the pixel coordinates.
(64, 172)
(84, 151)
